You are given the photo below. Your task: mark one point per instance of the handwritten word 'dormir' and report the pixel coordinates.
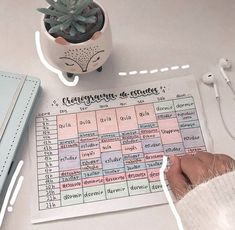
(89, 99)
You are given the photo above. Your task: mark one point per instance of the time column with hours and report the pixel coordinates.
(48, 163)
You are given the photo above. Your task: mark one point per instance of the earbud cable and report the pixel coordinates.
(222, 118)
(231, 87)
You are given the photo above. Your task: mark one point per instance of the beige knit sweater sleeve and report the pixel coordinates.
(210, 206)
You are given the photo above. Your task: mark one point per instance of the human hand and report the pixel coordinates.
(191, 170)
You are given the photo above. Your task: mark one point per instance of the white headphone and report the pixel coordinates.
(210, 79)
(225, 64)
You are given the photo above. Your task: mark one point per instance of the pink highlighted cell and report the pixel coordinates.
(150, 135)
(86, 122)
(106, 121)
(110, 146)
(67, 126)
(132, 148)
(153, 156)
(72, 172)
(169, 131)
(154, 174)
(127, 118)
(115, 178)
(70, 185)
(145, 113)
(89, 182)
(136, 175)
(89, 154)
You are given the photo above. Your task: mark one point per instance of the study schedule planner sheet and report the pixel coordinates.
(101, 151)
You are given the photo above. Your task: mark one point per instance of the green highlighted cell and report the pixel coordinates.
(116, 190)
(138, 187)
(164, 107)
(184, 104)
(71, 197)
(94, 193)
(157, 186)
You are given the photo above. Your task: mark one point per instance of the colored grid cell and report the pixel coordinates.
(188, 115)
(89, 154)
(137, 187)
(153, 156)
(169, 130)
(192, 137)
(67, 126)
(153, 174)
(69, 159)
(164, 107)
(116, 190)
(152, 145)
(184, 104)
(92, 194)
(114, 178)
(126, 118)
(175, 148)
(71, 197)
(145, 113)
(86, 122)
(110, 146)
(106, 121)
(112, 160)
(132, 148)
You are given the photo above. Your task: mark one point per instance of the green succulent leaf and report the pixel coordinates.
(51, 2)
(52, 22)
(71, 18)
(91, 12)
(72, 31)
(81, 5)
(80, 18)
(65, 25)
(49, 12)
(63, 18)
(91, 19)
(55, 29)
(79, 28)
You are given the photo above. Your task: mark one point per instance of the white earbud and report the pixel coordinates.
(224, 64)
(209, 79)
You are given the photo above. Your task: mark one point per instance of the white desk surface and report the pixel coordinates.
(146, 35)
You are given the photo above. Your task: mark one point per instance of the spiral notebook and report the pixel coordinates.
(17, 97)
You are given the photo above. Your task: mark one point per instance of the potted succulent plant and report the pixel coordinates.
(76, 35)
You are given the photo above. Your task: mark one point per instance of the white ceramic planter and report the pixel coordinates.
(78, 58)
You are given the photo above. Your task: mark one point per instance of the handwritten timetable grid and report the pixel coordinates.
(111, 153)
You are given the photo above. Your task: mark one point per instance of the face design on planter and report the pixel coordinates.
(82, 59)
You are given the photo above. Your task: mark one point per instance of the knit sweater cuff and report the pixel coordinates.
(210, 205)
